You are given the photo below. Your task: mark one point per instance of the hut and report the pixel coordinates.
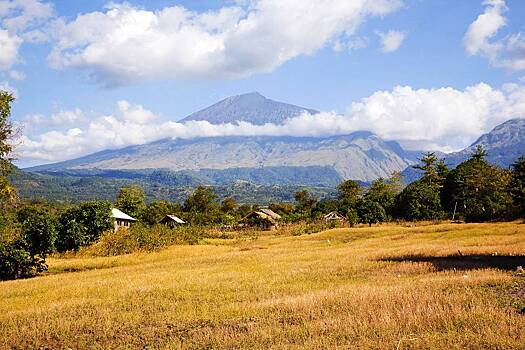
(261, 219)
(334, 217)
(271, 213)
(121, 219)
(172, 221)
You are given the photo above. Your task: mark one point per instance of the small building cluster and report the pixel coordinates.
(264, 218)
(123, 220)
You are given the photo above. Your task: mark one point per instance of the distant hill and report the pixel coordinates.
(253, 108)
(160, 184)
(359, 156)
(504, 145)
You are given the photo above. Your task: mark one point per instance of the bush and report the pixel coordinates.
(84, 224)
(16, 262)
(143, 238)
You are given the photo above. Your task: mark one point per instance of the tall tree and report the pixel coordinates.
(434, 169)
(348, 194)
(305, 201)
(371, 212)
(517, 184)
(419, 201)
(479, 190)
(6, 132)
(7, 191)
(202, 207)
(384, 192)
(131, 200)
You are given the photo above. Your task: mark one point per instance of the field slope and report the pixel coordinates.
(393, 287)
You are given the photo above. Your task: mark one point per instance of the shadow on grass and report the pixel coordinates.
(465, 262)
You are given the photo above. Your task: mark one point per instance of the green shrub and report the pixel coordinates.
(16, 262)
(143, 238)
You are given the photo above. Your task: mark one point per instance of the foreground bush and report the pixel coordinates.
(143, 238)
(16, 263)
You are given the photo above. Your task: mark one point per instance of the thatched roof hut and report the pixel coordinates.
(260, 219)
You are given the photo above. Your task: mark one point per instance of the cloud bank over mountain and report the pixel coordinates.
(444, 119)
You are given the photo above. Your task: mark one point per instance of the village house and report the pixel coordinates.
(266, 219)
(172, 221)
(121, 219)
(334, 217)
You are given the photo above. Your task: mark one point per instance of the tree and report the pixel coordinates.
(352, 217)
(517, 184)
(229, 205)
(156, 211)
(282, 208)
(26, 254)
(305, 201)
(434, 169)
(418, 201)
(371, 212)
(6, 132)
(480, 190)
(202, 207)
(384, 192)
(83, 224)
(131, 200)
(324, 207)
(38, 234)
(348, 194)
(7, 192)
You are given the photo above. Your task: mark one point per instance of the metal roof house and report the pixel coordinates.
(121, 219)
(172, 221)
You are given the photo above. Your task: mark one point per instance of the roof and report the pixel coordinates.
(173, 218)
(271, 213)
(117, 214)
(333, 216)
(260, 215)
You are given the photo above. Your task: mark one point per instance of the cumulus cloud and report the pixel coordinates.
(391, 40)
(507, 52)
(436, 119)
(126, 44)
(20, 21)
(9, 45)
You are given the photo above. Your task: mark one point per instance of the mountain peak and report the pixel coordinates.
(250, 107)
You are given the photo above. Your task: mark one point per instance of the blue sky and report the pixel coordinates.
(347, 73)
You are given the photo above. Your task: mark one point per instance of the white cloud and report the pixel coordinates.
(391, 40)
(135, 113)
(20, 21)
(68, 117)
(9, 45)
(438, 119)
(233, 42)
(507, 52)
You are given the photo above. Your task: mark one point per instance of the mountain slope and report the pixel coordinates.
(253, 108)
(359, 156)
(504, 145)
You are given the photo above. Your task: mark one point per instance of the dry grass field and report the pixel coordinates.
(447, 286)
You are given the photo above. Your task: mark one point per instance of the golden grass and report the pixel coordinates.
(326, 290)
